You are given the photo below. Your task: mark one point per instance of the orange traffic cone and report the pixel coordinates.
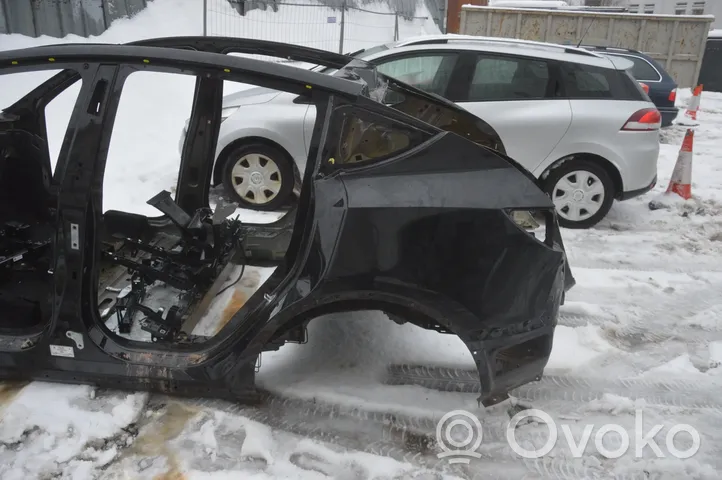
(681, 181)
(690, 115)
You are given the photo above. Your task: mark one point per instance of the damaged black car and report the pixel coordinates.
(408, 206)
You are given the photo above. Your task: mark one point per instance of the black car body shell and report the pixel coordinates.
(424, 233)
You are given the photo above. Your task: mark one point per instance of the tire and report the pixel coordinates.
(267, 169)
(571, 210)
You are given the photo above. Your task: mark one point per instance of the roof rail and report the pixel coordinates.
(612, 49)
(432, 39)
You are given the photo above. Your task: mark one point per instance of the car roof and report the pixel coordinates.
(82, 52)
(512, 46)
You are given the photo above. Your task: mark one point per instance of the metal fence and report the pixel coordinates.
(342, 28)
(335, 25)
(58, 18)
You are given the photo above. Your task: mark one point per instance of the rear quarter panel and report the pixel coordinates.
(596, 129)
(529, 129)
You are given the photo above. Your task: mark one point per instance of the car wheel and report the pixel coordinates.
(258, 177)
(582, 192)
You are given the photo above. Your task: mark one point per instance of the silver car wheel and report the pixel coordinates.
(578, 195)
(256, 178)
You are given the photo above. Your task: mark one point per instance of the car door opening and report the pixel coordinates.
(27, 197)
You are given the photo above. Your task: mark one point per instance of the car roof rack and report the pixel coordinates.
(611, 49)
(445, 39)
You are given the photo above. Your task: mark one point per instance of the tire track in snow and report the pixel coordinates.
(667, 320)
(318, 420)
(495, 457)
(575, 469)
(398, 436)
(409, 439)
(672, 393)
(593, 264)
(575, 319)
(672, 308)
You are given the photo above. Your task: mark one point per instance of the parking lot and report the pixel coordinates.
(638, 345)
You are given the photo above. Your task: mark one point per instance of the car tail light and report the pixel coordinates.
(673, 95)
(644, 120)
(645, 87)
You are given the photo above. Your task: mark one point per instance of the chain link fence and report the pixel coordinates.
(342, 28)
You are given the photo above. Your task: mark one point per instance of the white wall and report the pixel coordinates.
(686, 7)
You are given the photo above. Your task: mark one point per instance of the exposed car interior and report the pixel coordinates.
(161, 280)
(26, 230)
(158, 277)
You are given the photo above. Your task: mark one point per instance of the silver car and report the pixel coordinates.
(577, 120)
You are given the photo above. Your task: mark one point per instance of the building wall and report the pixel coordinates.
(679, 7)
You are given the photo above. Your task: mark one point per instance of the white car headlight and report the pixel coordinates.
(227, 112)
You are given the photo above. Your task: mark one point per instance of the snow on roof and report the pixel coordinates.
(528, 3)
(716, 33)
(576, 10)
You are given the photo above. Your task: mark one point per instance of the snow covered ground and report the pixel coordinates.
(642, 330)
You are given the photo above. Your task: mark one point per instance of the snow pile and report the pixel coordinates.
(154, 21)
(308, 23)
(304, 22)
(216, 445)
(52, 425)
(528, 4)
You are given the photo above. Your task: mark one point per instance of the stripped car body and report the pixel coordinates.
(387, 220)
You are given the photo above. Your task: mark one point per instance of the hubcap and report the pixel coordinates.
(256, 178)
(578, 195)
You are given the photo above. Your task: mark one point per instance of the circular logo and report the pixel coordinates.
(459, 433)
(257, 178)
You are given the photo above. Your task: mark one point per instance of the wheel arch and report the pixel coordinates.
(607, 165)
(239, 142)
(394, 310)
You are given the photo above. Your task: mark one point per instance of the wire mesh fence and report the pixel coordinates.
(342, 28)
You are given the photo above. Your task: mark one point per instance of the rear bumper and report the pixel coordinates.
(515, 351)
(668, 115)
(640, 191)
(638, 154)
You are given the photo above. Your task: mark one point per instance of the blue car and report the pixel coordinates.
(662, 89)
(710, 75)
